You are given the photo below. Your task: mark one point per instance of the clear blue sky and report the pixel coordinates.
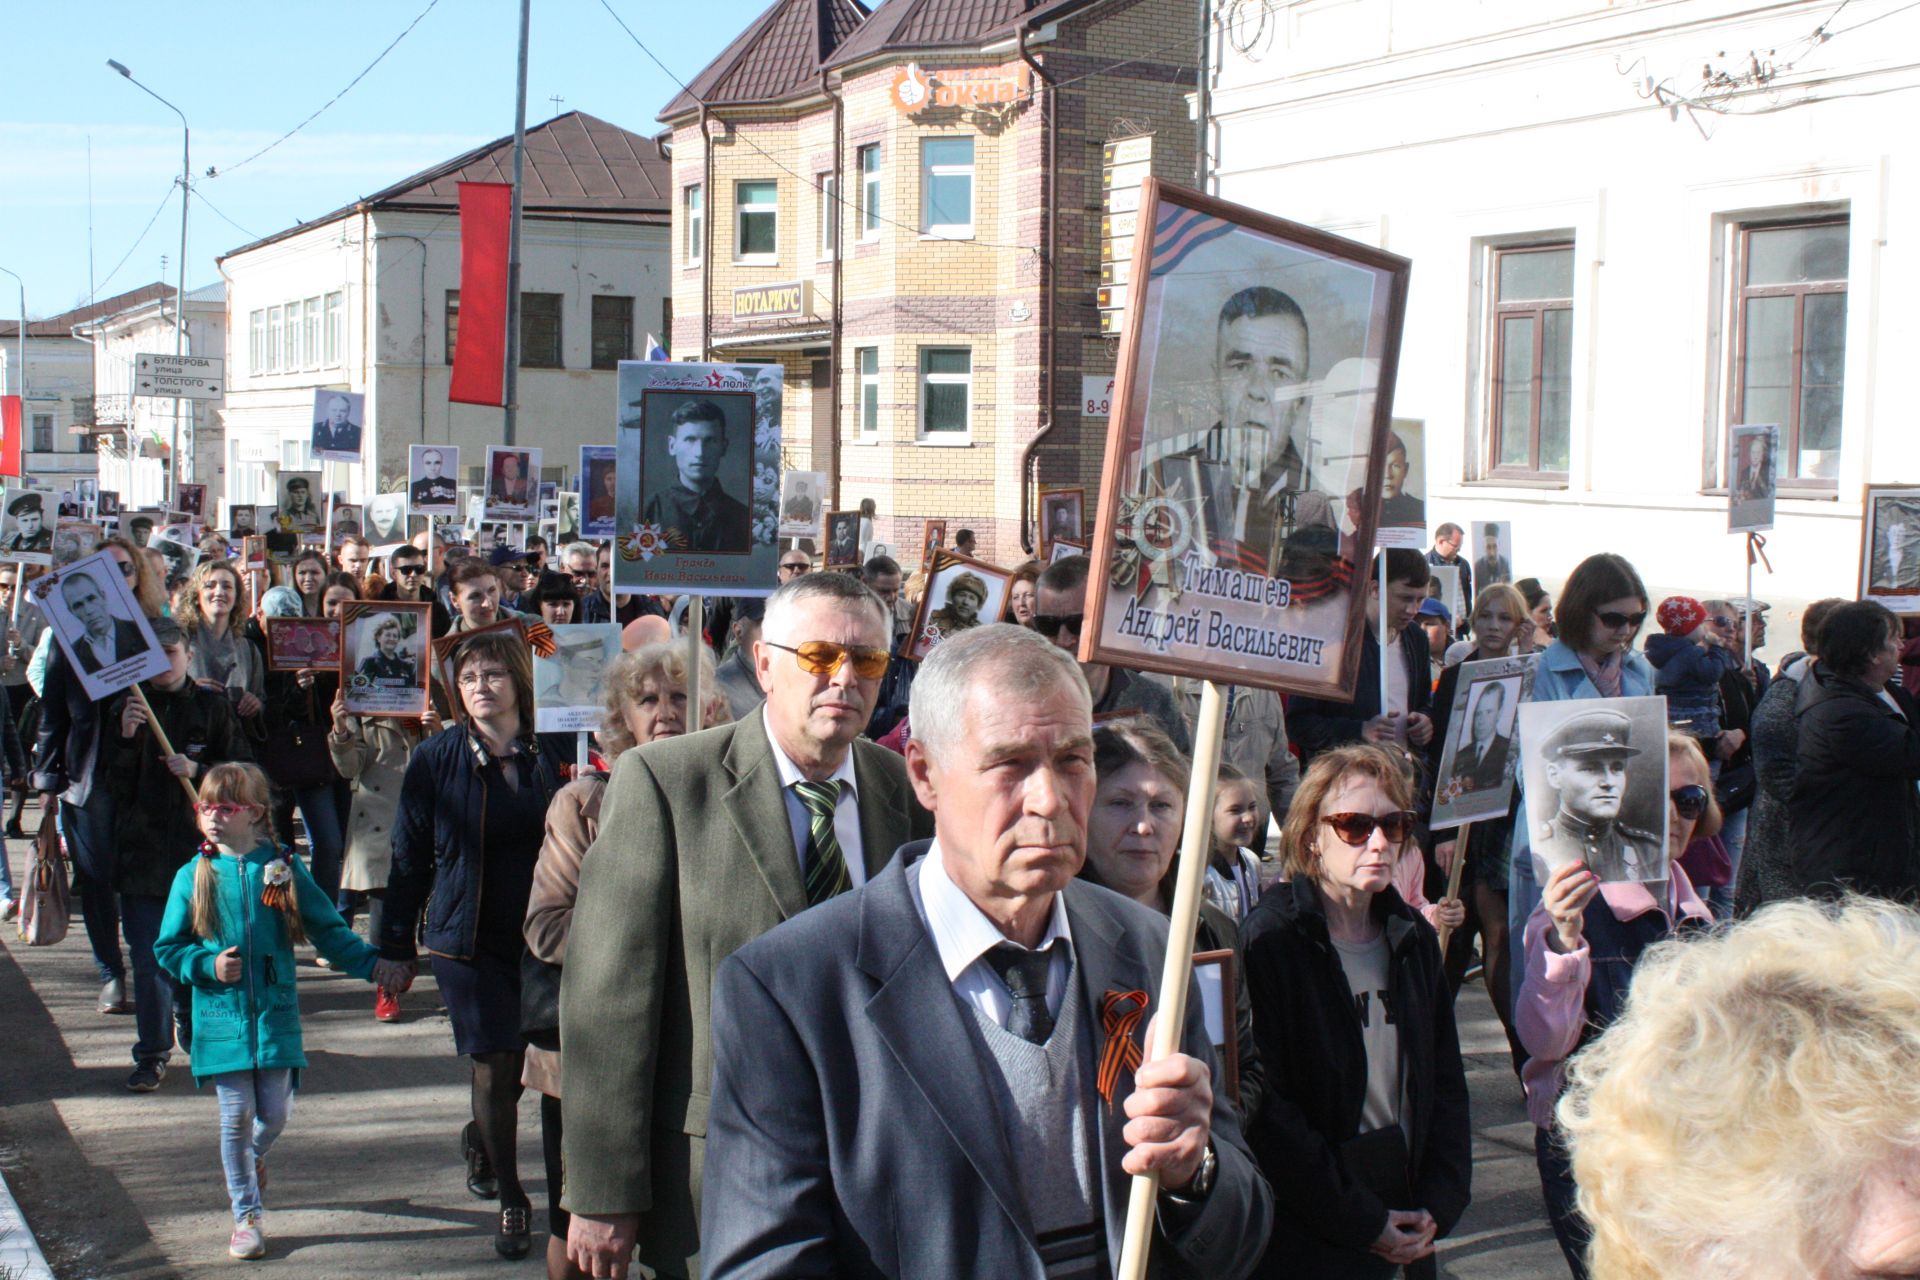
(244, 73)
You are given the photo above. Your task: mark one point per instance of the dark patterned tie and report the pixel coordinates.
(826, 866)
(1025, 973)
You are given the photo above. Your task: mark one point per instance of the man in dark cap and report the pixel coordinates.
(1587, 766)
(707, 516)
(30, 531)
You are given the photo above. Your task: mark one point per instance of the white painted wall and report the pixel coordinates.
(1437, 129)
(117, 340)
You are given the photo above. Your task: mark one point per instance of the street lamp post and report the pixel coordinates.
(20, 378)
(180, 296)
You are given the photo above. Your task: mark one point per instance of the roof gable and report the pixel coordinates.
(779, 55)
(62, 325)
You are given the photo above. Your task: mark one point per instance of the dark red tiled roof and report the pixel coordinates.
(778, 56)
(915, 26)
(61, 326)
(576, 165)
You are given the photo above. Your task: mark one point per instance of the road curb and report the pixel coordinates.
(20, 1256)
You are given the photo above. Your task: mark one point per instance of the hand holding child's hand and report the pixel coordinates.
(394, 976)
(227, 967)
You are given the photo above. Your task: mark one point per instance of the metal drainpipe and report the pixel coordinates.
(1050, 121)
(393, 235)
(706, 236)
(839, 253)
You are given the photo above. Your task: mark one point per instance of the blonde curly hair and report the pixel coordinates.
(1726, 1123)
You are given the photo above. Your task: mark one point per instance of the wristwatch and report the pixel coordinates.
(1202, 1184)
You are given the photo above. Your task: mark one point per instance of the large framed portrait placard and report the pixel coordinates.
(1247, 451)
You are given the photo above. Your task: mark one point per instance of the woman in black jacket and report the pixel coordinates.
(1854, 815)
(1363, 1131)
(473, 809)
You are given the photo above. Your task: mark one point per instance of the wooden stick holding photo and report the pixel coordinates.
(1453, 877)
(160, 735)
(1175, 975)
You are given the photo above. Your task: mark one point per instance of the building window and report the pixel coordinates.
(870, 192)
(1791, 341)
(276, 326)
(612, 331)
(257, 341)
(696, 220)
(946, 186)
(829, 191)
(336, 327)
(295, 349)
(757, 221)
(453, 320)
(312, 331)
(540, 331)
(1532, 366)
(43, 433)
(946, 390)
(869, 364)
(296, 454)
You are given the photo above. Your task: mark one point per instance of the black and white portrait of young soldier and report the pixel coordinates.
(702, 493)
(1596, 786)
(26, 529)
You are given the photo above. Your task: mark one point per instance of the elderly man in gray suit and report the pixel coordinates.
(940, 1075)
(706, 842)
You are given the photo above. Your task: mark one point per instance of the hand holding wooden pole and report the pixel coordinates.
(1171, 1017)
(160, 735)
(1453, 878)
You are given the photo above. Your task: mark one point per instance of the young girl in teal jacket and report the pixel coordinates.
(230, 925)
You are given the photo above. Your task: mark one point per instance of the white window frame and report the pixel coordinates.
(694, 202)
(869, 191)
(944, 436)
(742, 210)
(336, 322)
(310, 335)
(295, 349)
(928, 172)
(257, 340)
(827, 189)
(868, 381)
(276, 338)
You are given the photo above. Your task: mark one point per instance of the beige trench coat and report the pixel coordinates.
(373, 757)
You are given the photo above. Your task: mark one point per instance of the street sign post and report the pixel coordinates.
(180, 377)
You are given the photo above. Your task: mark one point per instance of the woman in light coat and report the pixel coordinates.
(371, 753)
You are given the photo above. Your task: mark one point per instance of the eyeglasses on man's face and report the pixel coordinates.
(823, 658)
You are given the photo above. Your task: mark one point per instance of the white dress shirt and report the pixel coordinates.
(846, 812)
(963, 935)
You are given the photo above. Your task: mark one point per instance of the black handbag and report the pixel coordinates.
(539, 1002)
(294, 753)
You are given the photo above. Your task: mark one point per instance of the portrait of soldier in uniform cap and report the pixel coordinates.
(1589, 802)
(27, 527)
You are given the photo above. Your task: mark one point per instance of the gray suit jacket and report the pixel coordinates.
(853, 1132)
(695, 858)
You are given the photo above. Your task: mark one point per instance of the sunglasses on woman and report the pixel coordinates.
(1689, 802)
(1358, 828)
(1614, 621)
(823, 658)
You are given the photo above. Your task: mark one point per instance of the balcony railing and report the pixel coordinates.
(103, 410)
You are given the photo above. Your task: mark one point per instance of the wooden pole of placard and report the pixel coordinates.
(166, 747)
(696, 626)
(1453, 878)
(1385, 707)
(1746, 606)
(1175, 975)
(581, 745)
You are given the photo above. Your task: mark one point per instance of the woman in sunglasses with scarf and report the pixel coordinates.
(1363, 1131)
(1602, 609)
(1582, 943)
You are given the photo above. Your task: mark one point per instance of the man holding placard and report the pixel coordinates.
(989, 1004)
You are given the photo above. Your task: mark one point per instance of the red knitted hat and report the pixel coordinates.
(1679, 615)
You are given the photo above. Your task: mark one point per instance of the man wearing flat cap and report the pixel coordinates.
(30, 532)
(1586, 761)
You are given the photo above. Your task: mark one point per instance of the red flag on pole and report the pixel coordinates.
(10, 436)
(480, 349)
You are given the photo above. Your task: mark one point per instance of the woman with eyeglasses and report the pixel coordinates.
(471, 819)
(1582, 943)
(1133, 833)
(1363, 1132)
(1602, 608)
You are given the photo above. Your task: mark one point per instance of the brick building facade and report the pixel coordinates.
(900, 209)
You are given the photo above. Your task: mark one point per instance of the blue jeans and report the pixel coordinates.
(254, 1106)
(158, 1001)
(6, 874)
(1557, 1187)
(89, 832)
(326, 836)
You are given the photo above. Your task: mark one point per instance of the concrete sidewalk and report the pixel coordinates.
(368, 1180)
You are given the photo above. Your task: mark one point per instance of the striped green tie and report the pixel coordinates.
(826, 866)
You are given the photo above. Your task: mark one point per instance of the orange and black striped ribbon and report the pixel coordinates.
(1121, 1012)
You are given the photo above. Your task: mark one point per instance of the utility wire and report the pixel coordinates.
(202, 198)
(216, 173)
(164, 202)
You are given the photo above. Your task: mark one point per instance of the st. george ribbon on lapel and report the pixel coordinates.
(1120, 1014)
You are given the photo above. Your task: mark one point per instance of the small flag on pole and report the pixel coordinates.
(654, 350)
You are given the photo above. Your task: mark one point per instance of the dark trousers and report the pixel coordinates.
(89, 832)
(158, 1001)
(1556, 1184)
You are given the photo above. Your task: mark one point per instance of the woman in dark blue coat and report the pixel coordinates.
(472, 816)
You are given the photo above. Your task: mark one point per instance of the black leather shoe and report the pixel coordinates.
(514, 1238)
(480, 1179)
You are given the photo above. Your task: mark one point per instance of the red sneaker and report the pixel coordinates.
(386, 1005)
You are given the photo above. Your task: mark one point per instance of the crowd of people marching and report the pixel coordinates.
(738, 1071)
